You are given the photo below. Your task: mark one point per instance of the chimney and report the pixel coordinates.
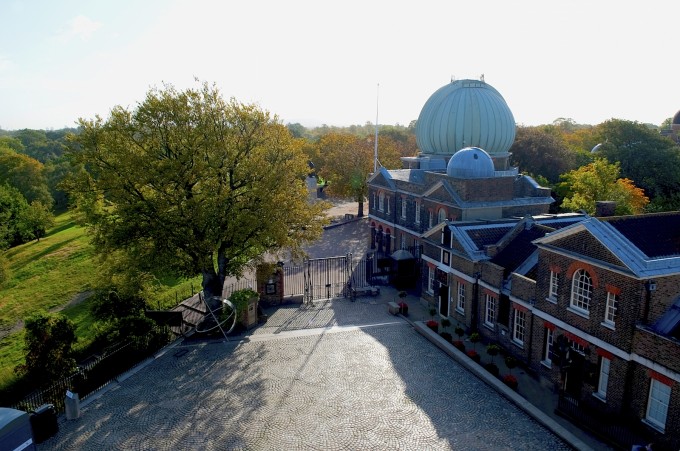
(604, 208)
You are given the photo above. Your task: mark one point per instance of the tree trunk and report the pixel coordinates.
(360, 213)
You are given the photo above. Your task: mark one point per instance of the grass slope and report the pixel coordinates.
(53, 274)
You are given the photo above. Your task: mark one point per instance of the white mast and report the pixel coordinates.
(375, 150)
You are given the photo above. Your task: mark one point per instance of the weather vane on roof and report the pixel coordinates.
(481, 78)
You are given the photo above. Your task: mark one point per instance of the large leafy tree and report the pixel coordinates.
(652, 161)
(189, 183)
(49, 344)
(599, 181)
(25, 174)
(541, 153)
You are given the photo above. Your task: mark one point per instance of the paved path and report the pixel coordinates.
(339, 375)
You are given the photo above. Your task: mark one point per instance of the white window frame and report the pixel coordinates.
(430, 219)
(430, 280)
(581, 291)
(417, 212)
(549, 336)
(519, 327)
(387, 205)
(554, 284)
(612, 308)
(404, 204)
(657, 404)
(489, 310)
(441, 215)
(381, 201)
(460, 297)
(603, 381)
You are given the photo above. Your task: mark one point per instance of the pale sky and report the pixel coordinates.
(321, 61)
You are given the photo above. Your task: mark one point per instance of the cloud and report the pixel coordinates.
(80, 27)
(5, 63)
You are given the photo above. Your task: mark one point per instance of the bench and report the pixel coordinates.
(393, 307)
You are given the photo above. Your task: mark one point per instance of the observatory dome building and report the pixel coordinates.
(464, 132)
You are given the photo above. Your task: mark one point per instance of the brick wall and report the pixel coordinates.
(523, 287)
(664, 351)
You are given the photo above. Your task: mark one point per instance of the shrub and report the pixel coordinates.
(403, 308)
(510, 362)
(474, 339)
(493, 350)
(492, 368)
(446, 322)
(460, 332)
(458, 344)
(447, 336)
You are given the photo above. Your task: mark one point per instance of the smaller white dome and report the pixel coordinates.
(470, 163)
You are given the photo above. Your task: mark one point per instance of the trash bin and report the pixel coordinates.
(44, 423)
(72, 405)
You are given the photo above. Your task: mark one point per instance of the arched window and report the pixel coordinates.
(581, 290)
(381, 201)
(441, 215)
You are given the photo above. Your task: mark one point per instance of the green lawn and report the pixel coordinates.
(48, 275)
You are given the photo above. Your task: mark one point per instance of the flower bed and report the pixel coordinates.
(510, 381)
(474, 355)
(446, 336)
(459, 345)
(433, 325)
(403, 308)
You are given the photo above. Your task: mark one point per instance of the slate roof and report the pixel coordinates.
(487, 235)
(656, 235)
(519, 249)
(669, 323)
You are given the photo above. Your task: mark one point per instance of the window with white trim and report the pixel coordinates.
(657, 404)
(430, 219)
(373, 200)
(441, 216)
(418, 212)
(460, 297)
(612, 307)
(581, 291)
(381, 201)
(520, 326)
(430, 280)
(604, 377)
(403, 207)
(578, 347)
(553, 286)
(547, 355)
(490, 310)
(387, 205)
(403, 241)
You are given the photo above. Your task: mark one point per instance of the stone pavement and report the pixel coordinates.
(335, 375)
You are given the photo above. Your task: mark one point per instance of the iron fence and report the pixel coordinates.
(95, 374)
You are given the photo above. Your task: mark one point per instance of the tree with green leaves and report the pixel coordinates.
(650, 160)
(49, 344)
(25, 174)
(541, 153)
(347, 160)
(188, 183)
(599, 181)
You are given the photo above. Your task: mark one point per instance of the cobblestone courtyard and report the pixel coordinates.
(309, 379)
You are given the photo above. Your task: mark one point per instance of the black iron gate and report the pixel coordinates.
(318, 278)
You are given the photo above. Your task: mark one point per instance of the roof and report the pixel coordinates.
(657, 235)
(465, 113)
(519, 249)
(669, 323)
(647, 245)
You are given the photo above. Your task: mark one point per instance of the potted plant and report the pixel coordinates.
(491, 367)
(433, 311)
(433, 325)
(446, 336)
(403, 306)
(445, 322)
(474, 339)
(459, 343)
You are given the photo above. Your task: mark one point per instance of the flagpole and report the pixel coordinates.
(375, 150)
